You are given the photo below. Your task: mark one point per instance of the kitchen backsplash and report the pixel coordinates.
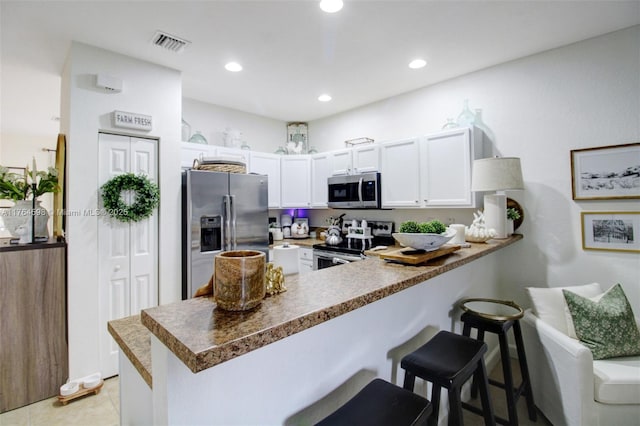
(317, 217)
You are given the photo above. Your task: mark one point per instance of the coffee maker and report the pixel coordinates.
(285, 222)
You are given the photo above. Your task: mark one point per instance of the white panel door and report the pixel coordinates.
(127, 267)
(144, 234)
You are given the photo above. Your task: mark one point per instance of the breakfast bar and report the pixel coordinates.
(299, 354)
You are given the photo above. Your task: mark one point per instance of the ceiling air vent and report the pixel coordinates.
(169, 42)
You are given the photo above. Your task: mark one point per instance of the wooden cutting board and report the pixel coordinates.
(417, 259)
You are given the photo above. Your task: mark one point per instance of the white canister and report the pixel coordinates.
(459, 237)
(286, 255)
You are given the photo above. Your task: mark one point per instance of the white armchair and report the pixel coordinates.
(572, 389)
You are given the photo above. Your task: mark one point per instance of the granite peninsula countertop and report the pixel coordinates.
(203, 336)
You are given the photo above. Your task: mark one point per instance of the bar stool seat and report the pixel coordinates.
(449, 360)
(381, 403)
(500, 316)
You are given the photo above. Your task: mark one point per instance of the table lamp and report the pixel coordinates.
(496, 174)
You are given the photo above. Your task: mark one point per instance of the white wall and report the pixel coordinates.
(537, 108)
(148, 89)
(260, 133)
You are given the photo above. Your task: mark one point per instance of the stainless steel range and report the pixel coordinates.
(352, 249)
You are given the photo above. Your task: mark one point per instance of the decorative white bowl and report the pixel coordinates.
(428, 242)
(92, 381)
(69, 388)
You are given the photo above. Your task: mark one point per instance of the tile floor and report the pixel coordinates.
(103, 409)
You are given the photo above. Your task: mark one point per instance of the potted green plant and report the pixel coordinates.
(512, 215)
(22, 188)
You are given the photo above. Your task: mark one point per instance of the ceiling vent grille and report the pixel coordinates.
(169, 42)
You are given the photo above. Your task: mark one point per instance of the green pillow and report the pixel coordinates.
(607, 326)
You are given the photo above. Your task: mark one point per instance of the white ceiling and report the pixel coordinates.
(292, 51)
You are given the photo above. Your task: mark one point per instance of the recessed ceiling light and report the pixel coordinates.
(324, 98)
(417, 63)
(233, 67)
(331, 6)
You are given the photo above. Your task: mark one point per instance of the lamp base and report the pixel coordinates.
(495, 214)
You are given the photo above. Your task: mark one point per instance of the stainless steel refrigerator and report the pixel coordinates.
(220, 212)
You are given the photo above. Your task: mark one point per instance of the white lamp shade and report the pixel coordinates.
(496, 174)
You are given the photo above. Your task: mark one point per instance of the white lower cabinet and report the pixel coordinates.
(295, 178)
(306, 260)
(400, 173)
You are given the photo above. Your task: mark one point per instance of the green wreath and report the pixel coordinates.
(147, 197)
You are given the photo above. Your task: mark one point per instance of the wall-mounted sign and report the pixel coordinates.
(130, 120)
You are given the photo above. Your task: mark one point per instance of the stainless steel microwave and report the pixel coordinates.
(360, 191)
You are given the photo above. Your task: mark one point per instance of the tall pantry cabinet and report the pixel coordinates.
(33, 328)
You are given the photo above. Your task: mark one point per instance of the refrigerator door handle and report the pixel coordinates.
(227, 222)
(234, 239)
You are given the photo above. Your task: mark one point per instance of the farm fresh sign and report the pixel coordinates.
(130, 120)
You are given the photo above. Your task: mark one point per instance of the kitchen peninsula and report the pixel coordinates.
(300, 353)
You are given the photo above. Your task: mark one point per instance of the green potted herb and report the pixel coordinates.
(512, 215)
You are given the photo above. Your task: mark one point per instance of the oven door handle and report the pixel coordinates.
(360, 189)
(331, 257)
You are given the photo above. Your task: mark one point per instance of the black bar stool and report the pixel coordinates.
(381, 403)
(499, 316)
(448, 361)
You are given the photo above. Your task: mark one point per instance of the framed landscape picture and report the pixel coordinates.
(606, 173)
(615, 231)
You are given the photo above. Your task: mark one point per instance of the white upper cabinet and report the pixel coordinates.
(192, 151)
(341, 162)
(320, 171)
(295, 178)
(366, 158)
(234, 154)
(400, 173)
(445, 167)
(362, 159)
(268, 164)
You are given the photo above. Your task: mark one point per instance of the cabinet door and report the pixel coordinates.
(233, 154)
(366, 159)
(445, 169)
(33, 326)
(320, 171)
(295, 173)
(268, 164)
(400, 173)
(305, 264)
(341, 162)
(191, 151)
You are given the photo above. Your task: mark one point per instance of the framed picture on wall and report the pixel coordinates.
(606, 173)
(614, 231)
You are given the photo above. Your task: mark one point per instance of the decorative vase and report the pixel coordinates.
(510, 227)
(466, 117)
(239, 282)
(20, 215)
